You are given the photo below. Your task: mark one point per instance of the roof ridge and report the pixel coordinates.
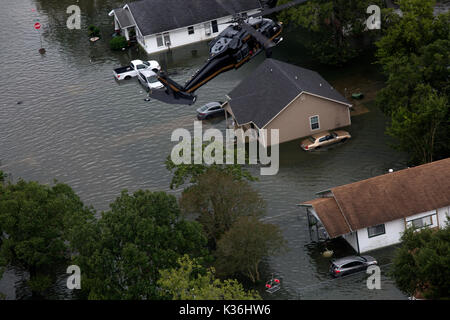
(394, 173)
(285, 74)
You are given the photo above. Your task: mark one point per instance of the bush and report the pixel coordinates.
(118, 43)
(94, 31)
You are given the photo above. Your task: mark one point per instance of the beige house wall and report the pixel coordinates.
(294, 121)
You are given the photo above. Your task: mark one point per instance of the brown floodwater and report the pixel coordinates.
(64, 117)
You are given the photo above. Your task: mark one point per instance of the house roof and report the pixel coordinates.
(385, 198)
(272, 86)
(330, 215)
(124, 17)
(156, 16)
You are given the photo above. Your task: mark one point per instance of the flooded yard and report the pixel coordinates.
(64, 117)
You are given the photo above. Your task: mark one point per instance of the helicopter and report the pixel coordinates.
(240, 42)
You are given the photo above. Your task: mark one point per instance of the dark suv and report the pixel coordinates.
(352, 264)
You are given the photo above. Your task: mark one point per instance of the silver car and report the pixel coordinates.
(351, 264)
(149, 79)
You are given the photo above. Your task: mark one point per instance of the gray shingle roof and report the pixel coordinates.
(124, 17)
(272, 86)
(155, 16)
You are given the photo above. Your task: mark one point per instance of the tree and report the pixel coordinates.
(248, 241)
(414, 54)
(414, 50)
(332, 26)
(120, 255)
(420, 266)
(418, 128)
(218, 199)
(35, 222)
(190, 281)
(189, 173)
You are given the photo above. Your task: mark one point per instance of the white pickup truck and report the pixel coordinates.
(131, 71)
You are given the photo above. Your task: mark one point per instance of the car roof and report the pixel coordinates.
(320, 134)
(345, 260)
(137, 61)
(148, 73)
(212, 104)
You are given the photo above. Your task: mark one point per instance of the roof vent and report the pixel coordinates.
(391, 170)
(296, 78)
(320, 84)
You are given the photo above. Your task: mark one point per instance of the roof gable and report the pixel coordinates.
(272, 86)
(156, 16)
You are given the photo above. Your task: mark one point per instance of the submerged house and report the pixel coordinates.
(296, 101)
(159, 25)
(374, 213)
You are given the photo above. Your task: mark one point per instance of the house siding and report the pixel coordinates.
(294, 121)
(180, 37)
(394, 230)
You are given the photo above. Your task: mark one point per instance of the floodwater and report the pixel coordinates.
(64, 117)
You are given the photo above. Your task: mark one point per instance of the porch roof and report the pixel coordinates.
(124, 17)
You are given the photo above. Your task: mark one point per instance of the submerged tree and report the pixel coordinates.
(421, 263)
(218, 200)
(35, 225)
(332, 26)
(241, 249)
(190, 281)
(120, 255)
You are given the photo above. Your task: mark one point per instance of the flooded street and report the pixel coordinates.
(64, 117)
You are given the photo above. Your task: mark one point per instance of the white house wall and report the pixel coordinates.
(443, 216)
(394, 230)
(352, 240)
(180, 37)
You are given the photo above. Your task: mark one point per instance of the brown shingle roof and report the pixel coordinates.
(388, 197)
(330, 215)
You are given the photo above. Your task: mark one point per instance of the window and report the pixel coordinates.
(167, 39)
(314, 122)
(191, 30)
(215, 27)
(376, 230)
(159, 40)
(422, 222)
(352, 264)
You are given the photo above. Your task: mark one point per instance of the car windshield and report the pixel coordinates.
(152, 79)
(312, 139)
(204, 108)
(141, 66)
(146, 63)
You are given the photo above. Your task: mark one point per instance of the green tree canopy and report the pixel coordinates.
(421, 263)
(414, 53)
(421, 128)
(120, 255)
(332, 26)
(190, 281)
(189, 173)
(218, 199)
(35, 223)
(245, 244)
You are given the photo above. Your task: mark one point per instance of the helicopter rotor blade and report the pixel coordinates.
(278, 8)
(262, 39)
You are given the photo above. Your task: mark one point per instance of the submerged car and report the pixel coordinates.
(210, 110)
(149, 79)
(351, 264)
(323, 139)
